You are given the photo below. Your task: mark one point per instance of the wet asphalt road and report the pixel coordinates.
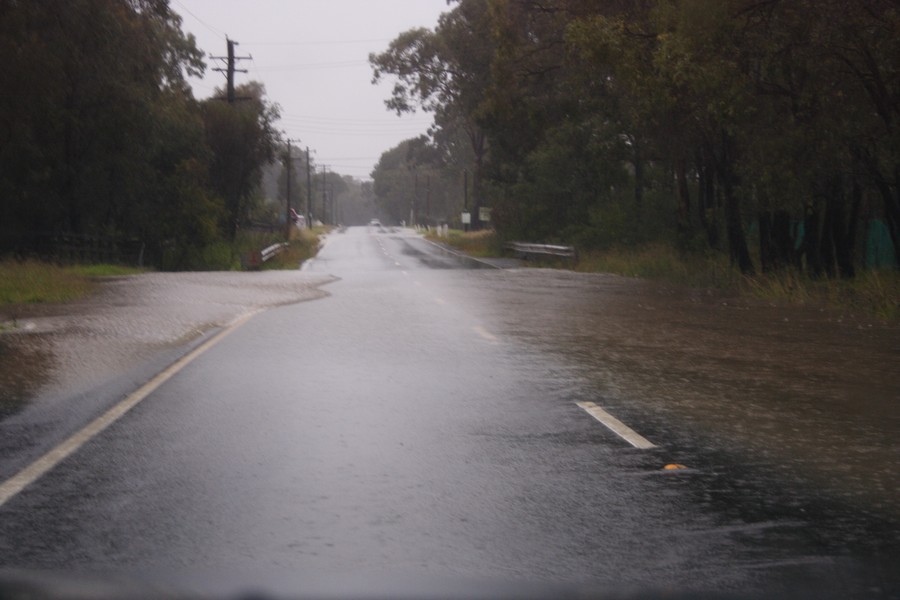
(412, 424)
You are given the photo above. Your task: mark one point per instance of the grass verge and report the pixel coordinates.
(870, 293)
(875, 293)
(36, 282)
(662, 262)
(480, 244)
(303, 245)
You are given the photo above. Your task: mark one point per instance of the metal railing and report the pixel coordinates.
(526, 250)
(255, 259)
(267, 253)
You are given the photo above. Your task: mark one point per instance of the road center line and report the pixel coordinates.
(616, 426)
(18, 482)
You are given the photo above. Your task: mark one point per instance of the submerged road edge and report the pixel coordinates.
(10, 488)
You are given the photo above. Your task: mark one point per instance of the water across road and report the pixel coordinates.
(427, 419)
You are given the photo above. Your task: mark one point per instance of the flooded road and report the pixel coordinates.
(421, 417)
(812, 389)
(788, 419)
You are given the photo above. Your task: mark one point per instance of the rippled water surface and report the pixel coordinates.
(812, 392)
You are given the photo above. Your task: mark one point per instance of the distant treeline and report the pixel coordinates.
(101, 138)
(769, 129)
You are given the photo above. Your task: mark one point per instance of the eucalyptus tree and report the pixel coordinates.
(87, 83)
(445, 71)
(243, 139)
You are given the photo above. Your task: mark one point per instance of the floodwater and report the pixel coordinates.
(64, 351)
(811, 393)
(808, 393)
(784, 418)
(24, 367)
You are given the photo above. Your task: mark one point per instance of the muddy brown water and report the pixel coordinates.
(808, 393)
(24, 366)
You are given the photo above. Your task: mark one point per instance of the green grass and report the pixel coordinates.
(33, 282)
(661, 262)
(36, 282)
(304, 244)
(875, 293)
(105, 270)
(480, 244)
(871, 293)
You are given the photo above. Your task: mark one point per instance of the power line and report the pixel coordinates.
(380, 121)
(319, 42)
(216, 31)
(310, 66)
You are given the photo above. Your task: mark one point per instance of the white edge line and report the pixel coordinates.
(616, 426)
(18, 482)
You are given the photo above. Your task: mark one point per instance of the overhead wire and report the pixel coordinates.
(215, 30)
(332, 126)
(318, 43)
(312, 66)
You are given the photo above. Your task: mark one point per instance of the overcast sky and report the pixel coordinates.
(312, 56)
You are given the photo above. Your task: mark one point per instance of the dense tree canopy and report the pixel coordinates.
(100, 136)
(768, 130)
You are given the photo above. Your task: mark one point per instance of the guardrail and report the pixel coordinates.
(255, 259)
(267, 253)
(526, 250)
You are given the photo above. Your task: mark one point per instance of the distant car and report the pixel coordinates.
(375, 223)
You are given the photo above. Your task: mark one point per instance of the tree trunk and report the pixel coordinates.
(737, 241)
(706, 199)
(776, 246)
(844, 231)
(811, 246)
(684, 199)
(476, 139)
(638, 161)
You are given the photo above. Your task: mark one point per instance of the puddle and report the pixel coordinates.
(25, 366)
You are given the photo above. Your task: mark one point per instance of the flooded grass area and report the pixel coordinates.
(809, 393)
(786, 417)
(24, 368)
(65, 349)
(872, 293)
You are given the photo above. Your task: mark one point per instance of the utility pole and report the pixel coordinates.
(325, 192)
(428, 199)
(308, 191)
(229, 69)
(466, 196)
(415, 202)
(287, 201)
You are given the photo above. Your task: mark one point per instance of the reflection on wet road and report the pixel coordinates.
(424, 419)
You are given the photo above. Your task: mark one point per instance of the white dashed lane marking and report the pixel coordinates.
(616, 426)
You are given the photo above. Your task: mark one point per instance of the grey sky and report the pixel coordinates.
(312, 57)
